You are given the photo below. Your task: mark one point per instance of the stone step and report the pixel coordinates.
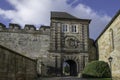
(62, 78)
(71, 78)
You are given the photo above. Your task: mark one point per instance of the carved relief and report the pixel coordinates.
(71, 42)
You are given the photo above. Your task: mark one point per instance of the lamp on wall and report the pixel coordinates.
(110, 61)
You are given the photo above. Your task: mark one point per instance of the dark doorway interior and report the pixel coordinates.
(70, 68)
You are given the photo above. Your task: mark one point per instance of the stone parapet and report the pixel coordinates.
(28, 28)
(29, 41)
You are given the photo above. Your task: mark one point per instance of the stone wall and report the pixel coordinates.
(49, 65)
(28, 41)
(109, 45)
(14, 66)
(92, 51)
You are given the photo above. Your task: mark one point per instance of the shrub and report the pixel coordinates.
(96, 69)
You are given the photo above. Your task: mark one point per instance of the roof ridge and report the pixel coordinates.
(109, 23)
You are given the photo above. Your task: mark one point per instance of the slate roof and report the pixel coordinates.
(107, 26)
(64, 15)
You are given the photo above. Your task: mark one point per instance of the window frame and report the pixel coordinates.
(65, 28)
(74, 28)
(111, 37)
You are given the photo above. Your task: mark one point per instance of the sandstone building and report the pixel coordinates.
(108, 44)
(65, 40)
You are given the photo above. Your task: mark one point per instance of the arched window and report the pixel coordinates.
(111, 37)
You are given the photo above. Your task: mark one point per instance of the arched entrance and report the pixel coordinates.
(70, 68)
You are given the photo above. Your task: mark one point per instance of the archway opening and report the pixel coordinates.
(70, 68)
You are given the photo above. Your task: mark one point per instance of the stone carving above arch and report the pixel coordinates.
(71, 42)
(70, 57)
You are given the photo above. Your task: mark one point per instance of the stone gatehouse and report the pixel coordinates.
(66, 40)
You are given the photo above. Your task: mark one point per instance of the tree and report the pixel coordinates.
(67, 68)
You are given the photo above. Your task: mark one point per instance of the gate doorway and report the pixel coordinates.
(70, 68)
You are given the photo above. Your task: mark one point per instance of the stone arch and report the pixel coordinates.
(72, 61)
(68, 57)
(72, 67)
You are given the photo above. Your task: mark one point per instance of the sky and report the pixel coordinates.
(37, 12)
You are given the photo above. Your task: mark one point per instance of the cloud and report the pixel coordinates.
(38, 12)
(98, 22)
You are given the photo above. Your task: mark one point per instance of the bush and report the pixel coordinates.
(96, 69)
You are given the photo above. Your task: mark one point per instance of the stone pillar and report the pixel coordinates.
(79, 68)
(58, 35)
(52, 36)
(86, 60)
(39, 66)
(61, 64)
(56, 66)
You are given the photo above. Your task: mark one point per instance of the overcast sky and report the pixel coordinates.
(37, 12)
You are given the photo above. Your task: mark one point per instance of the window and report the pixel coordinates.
(74, 28)
(65, 28)
(111, 40)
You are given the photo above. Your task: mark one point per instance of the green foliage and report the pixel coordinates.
(96, 69)
(67, 68)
